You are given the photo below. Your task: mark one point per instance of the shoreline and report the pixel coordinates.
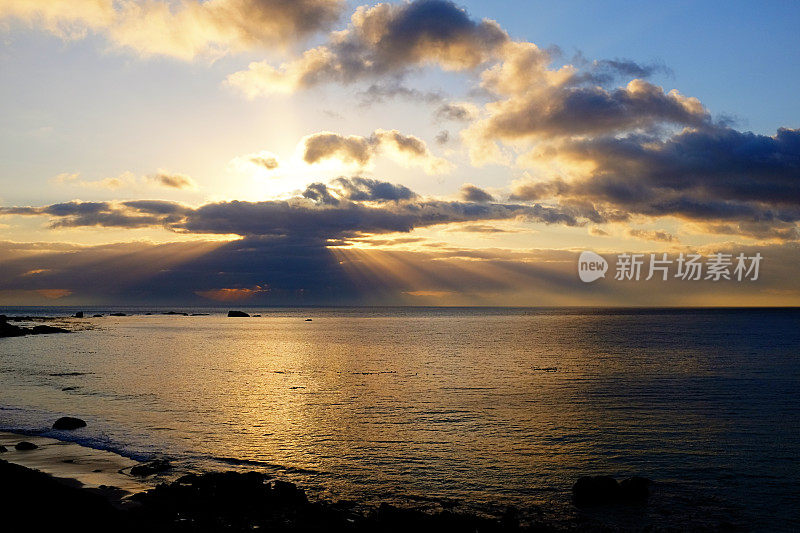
(65, 483)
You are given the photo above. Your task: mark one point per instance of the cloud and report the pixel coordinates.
(380, 92)
(656, 235)
(361, 151)
(573, 111)
(713, 174)
(471, 193)
(232, 294)
(265, 271)
(185, 29)
(347, 207)
(380, 40)
(173, 181)
(74, 179)
(457, 111)
(128, 180)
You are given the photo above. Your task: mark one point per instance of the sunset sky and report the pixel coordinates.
(418, 153)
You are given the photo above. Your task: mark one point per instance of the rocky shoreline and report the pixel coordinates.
(10, 330)
(210, 502)
(156, 497)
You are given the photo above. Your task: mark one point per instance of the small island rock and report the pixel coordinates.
(69, 423)
(25, 446)
(238, 314)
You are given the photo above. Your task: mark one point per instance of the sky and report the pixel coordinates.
(275, 152)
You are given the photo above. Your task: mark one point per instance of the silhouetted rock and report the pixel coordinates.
(10, 330)
(69, 423)
(595, 490)
(238, 314)
(25, 446)
(603, 490)
(117, 314)
(97, 316)
(3, 318)
(79, 314)
(153, 467)
(3, 449)
(635, 489)
(308, 320)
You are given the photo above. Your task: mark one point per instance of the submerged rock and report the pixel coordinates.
(117, 314)
(69, 423)
(238, 314)
(25, 446)
(97, 316)
(153, 467)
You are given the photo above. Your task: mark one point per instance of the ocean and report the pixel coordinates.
(475, 408)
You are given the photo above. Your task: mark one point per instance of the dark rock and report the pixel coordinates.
(153, 467)
(3, 449)
(308, 320)
(117, 314)
(595, 490)
(97, 316)
(9, 330)
(635, 489)
(69, 423)
(3, 318)
(604, 490)
(238, 314)
(25, 446)
(69, 388)
(256, 316)
(79, 314)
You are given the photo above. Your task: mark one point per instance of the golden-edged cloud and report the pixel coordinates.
(406, 150)
(381, 40)
(185, 29)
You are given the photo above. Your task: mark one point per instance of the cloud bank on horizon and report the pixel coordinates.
(591, 146)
